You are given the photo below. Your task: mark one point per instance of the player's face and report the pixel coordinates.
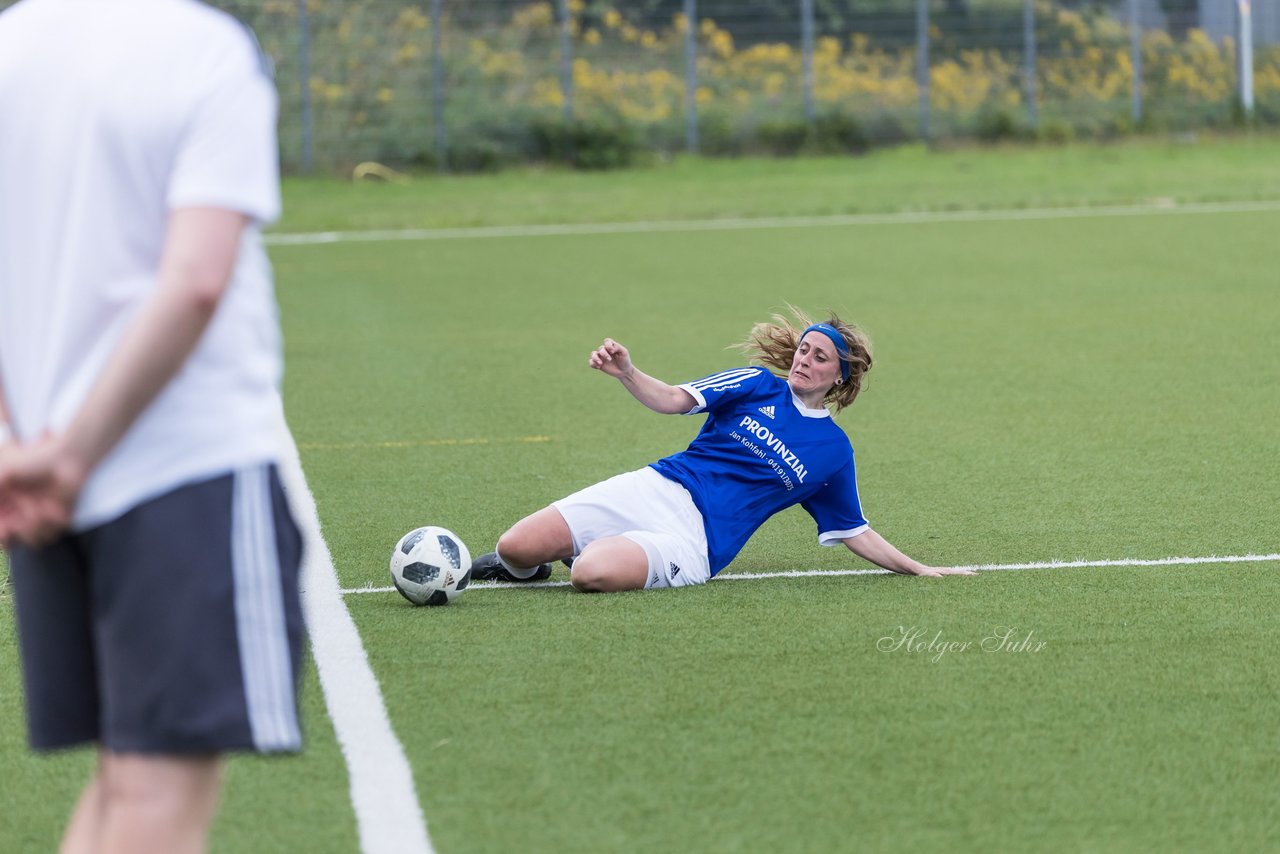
(815, 366)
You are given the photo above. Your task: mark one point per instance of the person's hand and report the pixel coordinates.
(11, 509)
(935, 571)
(611, 358)
(39, 484)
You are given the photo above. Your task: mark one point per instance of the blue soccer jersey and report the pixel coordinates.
(761, 451)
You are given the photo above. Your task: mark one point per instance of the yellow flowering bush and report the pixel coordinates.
(370, 79)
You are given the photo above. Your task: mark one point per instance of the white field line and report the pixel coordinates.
(389, 818)
(1159, 207)
(823, 573)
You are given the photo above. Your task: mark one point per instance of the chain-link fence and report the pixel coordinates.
(475, 84)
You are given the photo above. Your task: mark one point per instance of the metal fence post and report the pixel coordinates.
(566, 61)
(922, 64)
(304, 74)
(691, 76)
(806, 46)
(1135, 56)
(1029, 55)
(1244, 53)
(437, 85)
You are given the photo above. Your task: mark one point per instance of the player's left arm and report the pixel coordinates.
(200, 251)
(613, 359)
(872, 547)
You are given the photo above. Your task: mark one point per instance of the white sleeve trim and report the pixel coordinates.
(262, 210)
(699, 402)
(835, 538)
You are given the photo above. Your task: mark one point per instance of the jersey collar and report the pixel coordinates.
(806, 411)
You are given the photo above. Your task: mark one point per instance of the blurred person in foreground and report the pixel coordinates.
(768, 443)
(153, 559)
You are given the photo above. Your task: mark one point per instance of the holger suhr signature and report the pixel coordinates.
(918, 640)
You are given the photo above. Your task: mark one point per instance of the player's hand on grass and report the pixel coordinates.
(611, 358)
(935, 571)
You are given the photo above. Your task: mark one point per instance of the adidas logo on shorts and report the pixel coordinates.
(767, 410)
(675, 570)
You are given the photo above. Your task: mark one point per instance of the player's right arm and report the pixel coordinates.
(874, 548)
(47, 474)
(613, 359)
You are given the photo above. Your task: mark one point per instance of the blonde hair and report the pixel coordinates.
(774, 345)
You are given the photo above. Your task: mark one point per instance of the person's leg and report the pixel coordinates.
(85, 825)
(536, 539)
(193, 664)
(648, 560)
(611, 565)
(136, 802)
(155, 803)
(59, 667)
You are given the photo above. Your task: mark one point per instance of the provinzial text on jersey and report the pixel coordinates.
(775, 444)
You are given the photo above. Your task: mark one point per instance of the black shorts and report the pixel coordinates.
(174, 629)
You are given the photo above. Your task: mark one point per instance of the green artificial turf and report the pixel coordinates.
(1194, 168)
(780, 716)
(1096, 388)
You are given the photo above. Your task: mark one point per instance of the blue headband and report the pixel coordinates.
(842, 347)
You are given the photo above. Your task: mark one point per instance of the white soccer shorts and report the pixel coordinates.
(655, 513)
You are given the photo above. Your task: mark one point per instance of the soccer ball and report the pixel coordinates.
(430, 566)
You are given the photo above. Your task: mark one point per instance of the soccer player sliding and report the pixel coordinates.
(768, 443)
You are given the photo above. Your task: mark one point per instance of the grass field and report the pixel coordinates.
(1063, 389)
(1188, 169)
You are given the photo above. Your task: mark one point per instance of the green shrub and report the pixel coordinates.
(481, 154)
(885, 128)
(782, 137)
(837, 133)
(1117, 126)
(831, 132)
(994, 125)
(585, 143)
(719, 135)
(1055, 132)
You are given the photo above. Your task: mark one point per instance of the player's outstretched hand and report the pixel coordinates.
(935, 571)
(611, 358)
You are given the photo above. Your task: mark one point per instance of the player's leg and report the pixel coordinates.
(611, 565)
(142, 803)
(634, 530)
(635, 560)
(526, 550)
(538, 538)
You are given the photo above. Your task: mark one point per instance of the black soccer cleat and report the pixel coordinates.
(487, 567)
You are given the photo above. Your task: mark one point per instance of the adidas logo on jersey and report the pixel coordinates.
(767, 410)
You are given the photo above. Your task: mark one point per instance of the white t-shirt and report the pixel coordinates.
(113, 113)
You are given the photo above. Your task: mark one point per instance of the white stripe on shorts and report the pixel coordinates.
(260, 618)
